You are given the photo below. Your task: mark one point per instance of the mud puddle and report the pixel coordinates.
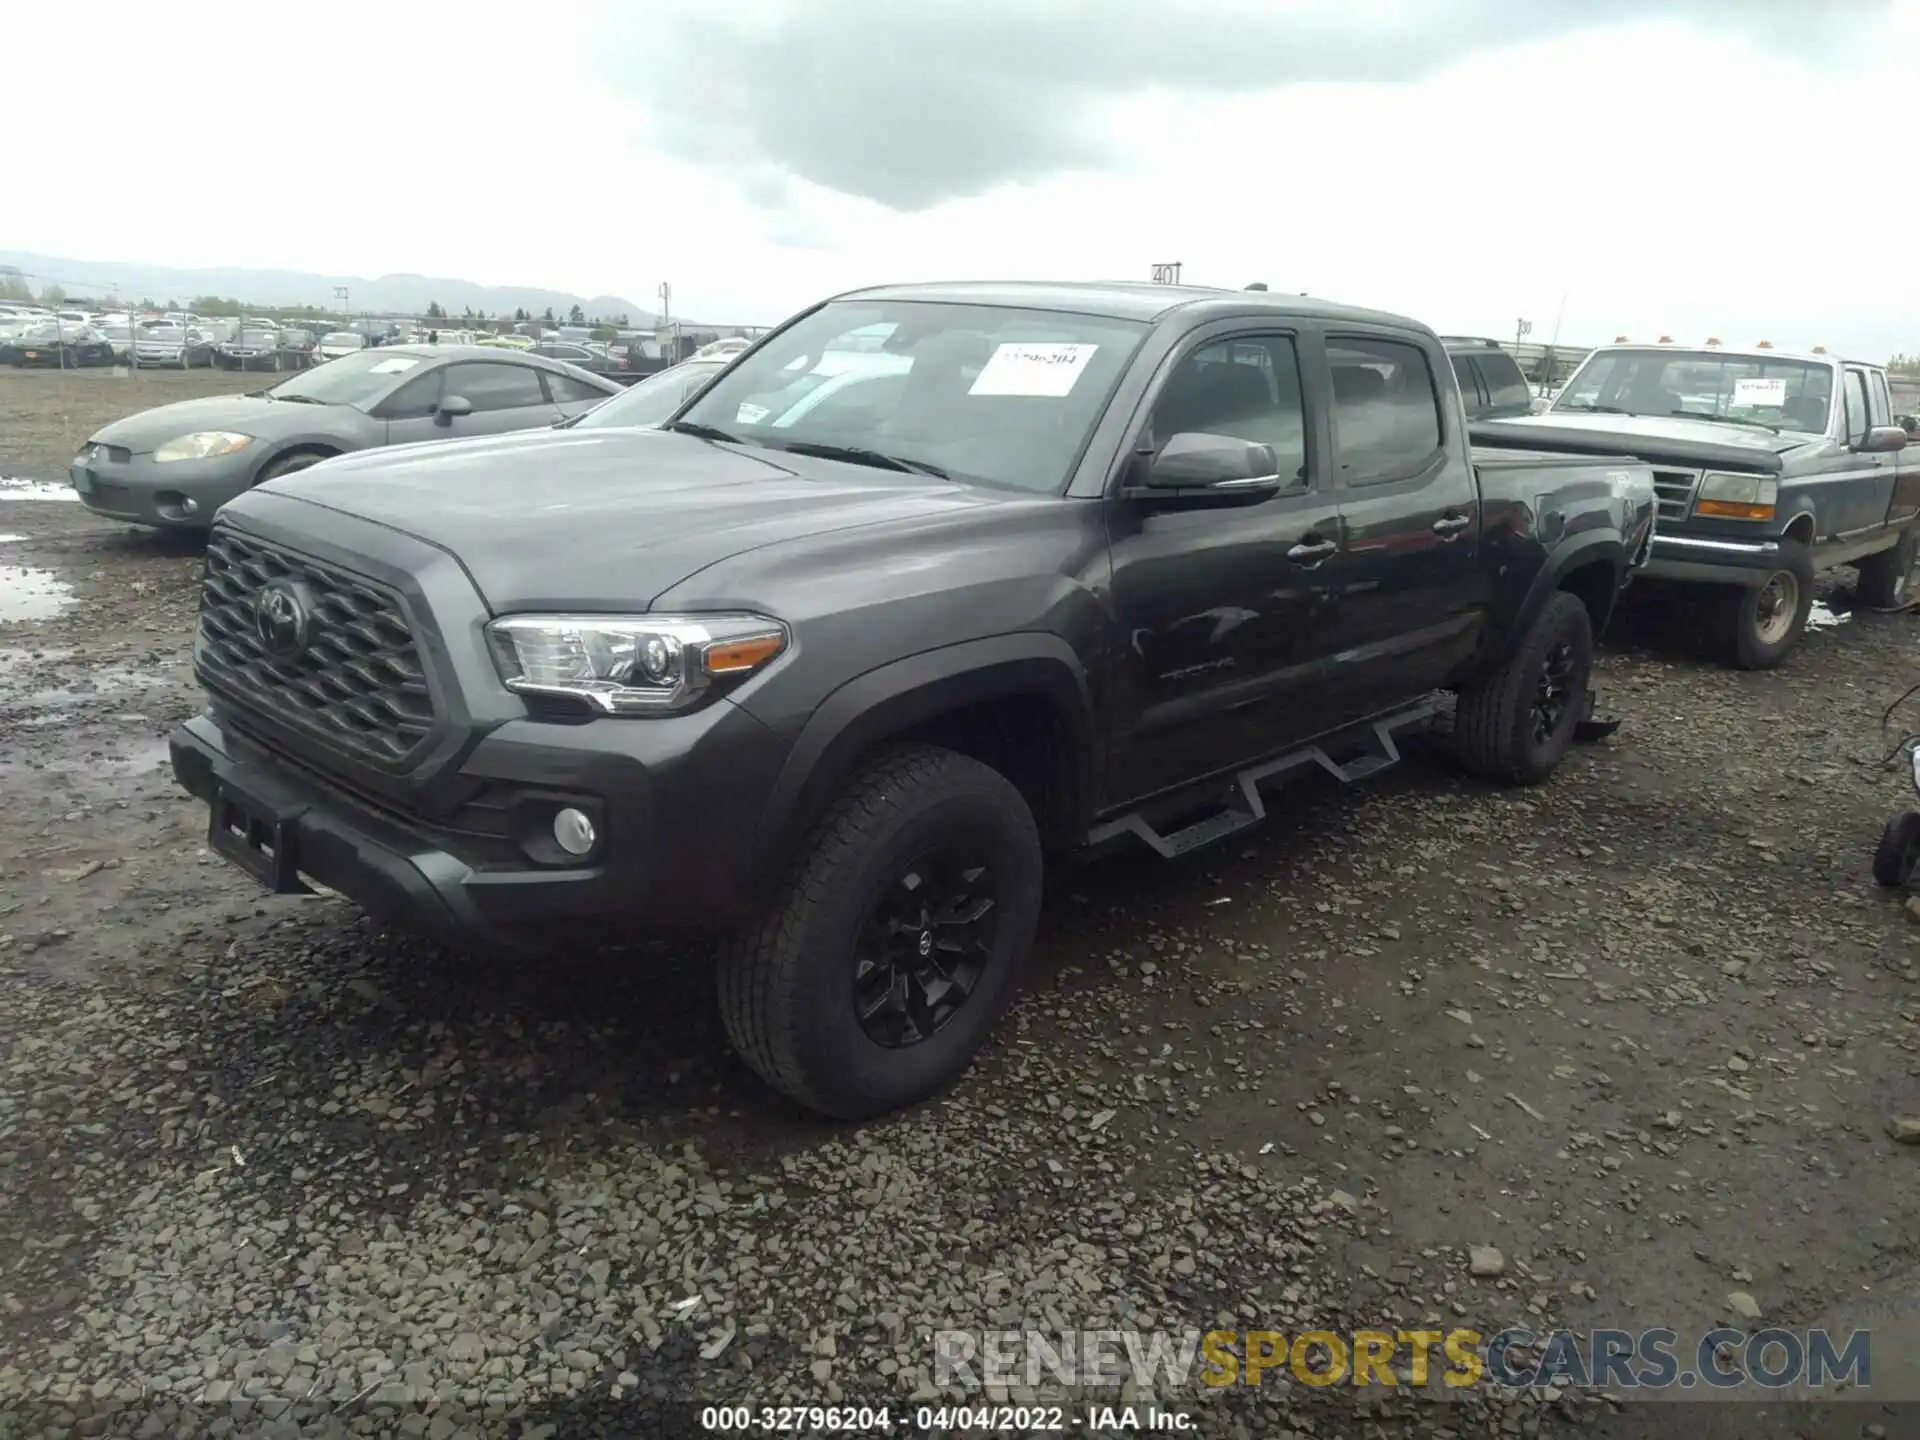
(13, 489)
(30, 593)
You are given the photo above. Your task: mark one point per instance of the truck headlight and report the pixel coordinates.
(201, 445)
(1737, 497)
(632, 665)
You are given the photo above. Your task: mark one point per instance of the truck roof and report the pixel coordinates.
(1738, 352)
(1128, 300)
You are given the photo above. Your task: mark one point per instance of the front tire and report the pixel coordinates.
(1516, 724)
(891, 947)
(1762, 625)
(1884, 577)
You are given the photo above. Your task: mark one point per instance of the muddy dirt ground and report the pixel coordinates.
(1641, 1031)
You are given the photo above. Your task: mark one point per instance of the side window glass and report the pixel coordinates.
(495, 387)
(568, 391)
(1879, 409)
(416, 399)
(1856, 402)
(1469, 378)
(1386, 412)
(1506, 386)
(1247, 387)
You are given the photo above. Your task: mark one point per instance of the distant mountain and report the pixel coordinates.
(385, 294)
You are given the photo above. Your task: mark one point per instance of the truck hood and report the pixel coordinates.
(1644, 437)
(607, 519)
(243, 414)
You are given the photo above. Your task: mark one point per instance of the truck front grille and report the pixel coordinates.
(1675, 491)
(357, 683)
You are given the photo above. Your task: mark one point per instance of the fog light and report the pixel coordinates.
(573, 831)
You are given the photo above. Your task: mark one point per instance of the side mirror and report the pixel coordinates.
(1884, 438)
(451, 408)
(1199, 469)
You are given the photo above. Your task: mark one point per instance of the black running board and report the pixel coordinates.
(1243, 807)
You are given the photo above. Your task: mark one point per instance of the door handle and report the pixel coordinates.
(1312, 554)
(1448, 526)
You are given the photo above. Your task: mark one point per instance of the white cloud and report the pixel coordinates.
(1667, 180)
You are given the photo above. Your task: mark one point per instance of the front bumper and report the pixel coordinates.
(1712, 561)
(677, 805)
(146, 493)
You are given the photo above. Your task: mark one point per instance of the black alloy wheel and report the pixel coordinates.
(1552, 691)
(926, 943)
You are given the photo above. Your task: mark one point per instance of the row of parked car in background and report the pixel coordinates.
(78, 339)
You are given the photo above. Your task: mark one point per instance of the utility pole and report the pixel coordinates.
(340, 294)
(669, 345)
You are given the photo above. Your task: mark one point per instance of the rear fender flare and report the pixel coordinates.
(895, 698)
(1573, 556)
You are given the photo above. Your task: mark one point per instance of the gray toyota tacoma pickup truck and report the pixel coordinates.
(1044, 568)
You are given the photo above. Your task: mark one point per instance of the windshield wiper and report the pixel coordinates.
(296, 399)
(1725, 420)
(703, 432)
(1597, 409)
(860, 455)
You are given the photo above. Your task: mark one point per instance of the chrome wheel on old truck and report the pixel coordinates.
(1760, 625)
(872, 979)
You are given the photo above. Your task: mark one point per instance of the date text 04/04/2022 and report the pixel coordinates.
(1013, 1419)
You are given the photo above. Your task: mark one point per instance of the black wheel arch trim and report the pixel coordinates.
(319, 449)
(896, 698)
(1608, 548)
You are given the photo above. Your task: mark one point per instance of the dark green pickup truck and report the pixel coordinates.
(1769, 467)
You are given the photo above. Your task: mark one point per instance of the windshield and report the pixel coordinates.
(1704, 384)
(987, 394)
(359, 380)
(651, 400)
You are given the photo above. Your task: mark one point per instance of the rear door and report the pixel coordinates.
(1226, 614)
(1411, 599)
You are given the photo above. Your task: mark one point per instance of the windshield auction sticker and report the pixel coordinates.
(1760, 392)
(1048, 370)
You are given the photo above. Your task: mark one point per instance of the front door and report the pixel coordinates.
(1856, 492)
(504, 396)
(1224, 615)
(1906, 463)
(1411, 599)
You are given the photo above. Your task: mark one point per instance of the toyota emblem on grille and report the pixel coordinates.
(280, 620)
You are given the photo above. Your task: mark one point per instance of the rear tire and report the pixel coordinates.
(1898, 854)
(1515, 725)
(792, 986)
(1884, 578)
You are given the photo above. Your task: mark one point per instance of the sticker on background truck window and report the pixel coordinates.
(1028, 369)
(1760, 392)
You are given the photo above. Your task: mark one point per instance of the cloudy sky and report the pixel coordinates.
(1683, 167)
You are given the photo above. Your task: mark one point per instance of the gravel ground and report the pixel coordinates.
(269, 1170)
